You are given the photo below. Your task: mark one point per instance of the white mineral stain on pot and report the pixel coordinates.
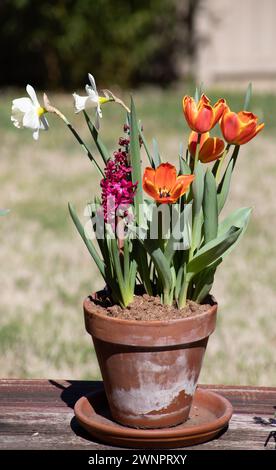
(153, 396)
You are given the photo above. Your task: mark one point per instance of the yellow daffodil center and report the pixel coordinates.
(103, 99)
(164, 192)
(41, 111)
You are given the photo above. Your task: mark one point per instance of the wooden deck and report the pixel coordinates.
(38, 414)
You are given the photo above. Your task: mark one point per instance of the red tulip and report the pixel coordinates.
(239, 128)
(202, 117)
(210, 148)
(163, 185)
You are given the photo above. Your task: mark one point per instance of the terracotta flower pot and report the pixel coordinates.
(149, 368)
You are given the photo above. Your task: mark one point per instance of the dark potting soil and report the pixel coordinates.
(145, 307)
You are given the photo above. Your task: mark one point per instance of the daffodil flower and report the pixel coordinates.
(92, 100)
(27, 112)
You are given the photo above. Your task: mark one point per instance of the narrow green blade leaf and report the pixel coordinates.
(239, 218)
(213, 250)
(210, 207)
(156, 156)
(184, 220)
(184, 167)
(92, 250)
(224, 186)
(160, 262)
(204, 281)
(146, 147)
(247, 98)
(4, 211)
(198, 188)
(140, 255)
(135, 161)
(98, 141)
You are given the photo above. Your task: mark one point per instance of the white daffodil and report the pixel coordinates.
(92, 100)
(27, 112)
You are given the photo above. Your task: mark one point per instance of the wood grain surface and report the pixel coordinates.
(38, 414)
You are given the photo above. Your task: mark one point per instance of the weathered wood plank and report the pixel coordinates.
(38, 414)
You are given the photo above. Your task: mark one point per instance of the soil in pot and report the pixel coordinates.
(146, 308)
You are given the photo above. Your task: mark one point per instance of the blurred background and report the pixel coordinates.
(156, 50)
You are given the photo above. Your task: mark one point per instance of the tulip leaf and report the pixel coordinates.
(160, 262)
(196, 95)
(198, 189)
(140, 255)
(239, 218)
(92, 250)
(135, 161)
(198, 92)
(184, 225)
(98, 141)
(204, 281)
(224, 186)
(4, 211)
(156, 156)
(212, 251)
(184, 167)
(146, 147)
(210, 207)
(247, 98)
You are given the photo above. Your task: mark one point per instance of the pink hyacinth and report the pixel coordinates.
(117, 188)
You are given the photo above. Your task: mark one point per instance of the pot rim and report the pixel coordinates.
(213, 305)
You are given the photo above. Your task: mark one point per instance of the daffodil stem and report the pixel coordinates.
(51, 109)
(84, 147)
(226, 150)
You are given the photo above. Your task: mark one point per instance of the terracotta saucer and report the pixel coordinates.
(210, 413)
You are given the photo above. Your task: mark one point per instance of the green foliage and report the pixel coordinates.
(126, 42)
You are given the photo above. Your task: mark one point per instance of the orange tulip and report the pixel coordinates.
(210, 148)
(163, 185)
(239, 128)
(202, 117)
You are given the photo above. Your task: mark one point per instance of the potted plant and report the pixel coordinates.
(157, 239)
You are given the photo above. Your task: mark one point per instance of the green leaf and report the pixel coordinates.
(117, 264)
(239, 218)
(198, 92)
(99, 143)
(198, 188)
(184, 167)
(146, 147)
(183, 220)
(210, 207)
(92, 250)
(248, 96)
(204, 281)
(4, 211)
(212, 251)
(136, 164)
(156, 156)
(140, 255)
(160, 262)
(224, 186)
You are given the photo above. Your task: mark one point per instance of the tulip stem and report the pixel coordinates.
(226, 150)
(197, 149)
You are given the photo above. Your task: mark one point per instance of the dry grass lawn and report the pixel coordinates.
(46, 270)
